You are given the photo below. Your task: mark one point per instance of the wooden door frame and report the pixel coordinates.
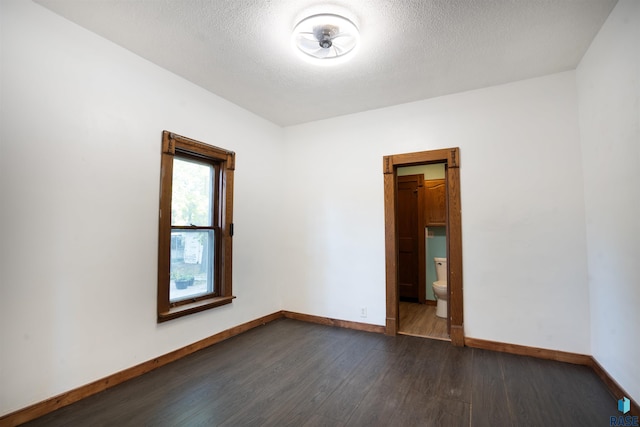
(451, 158)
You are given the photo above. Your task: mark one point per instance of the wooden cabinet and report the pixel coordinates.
(435, 202)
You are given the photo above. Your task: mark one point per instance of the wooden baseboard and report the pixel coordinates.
(615, 389)
(561, 356)
(334, 322)
(41, 408)
(523, 350)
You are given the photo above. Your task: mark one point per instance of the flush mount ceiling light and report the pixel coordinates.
(325, 38)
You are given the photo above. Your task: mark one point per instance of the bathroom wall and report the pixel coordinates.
(434, 171)
(608, 80)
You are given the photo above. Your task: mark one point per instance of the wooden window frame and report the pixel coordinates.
(224, 165)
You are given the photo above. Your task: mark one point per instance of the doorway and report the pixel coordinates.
(421, 219)
(451, 158)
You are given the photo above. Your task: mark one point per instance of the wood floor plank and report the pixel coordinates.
(420, 320)
(393, 344)
(424, 361)
(384, 399)
(303, 402)
(248, 402)
(456, 372)
(344, 400)
(527, 393)
(422, 410)
(489, 396)
(291, 373)
(577, 392)
(321, 421)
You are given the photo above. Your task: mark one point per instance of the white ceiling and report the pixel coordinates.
(410, 49)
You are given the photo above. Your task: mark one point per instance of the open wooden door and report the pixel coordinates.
(410, 216)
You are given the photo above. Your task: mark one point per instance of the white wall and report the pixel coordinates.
(524, 245)
(79, 177)
(609, 96)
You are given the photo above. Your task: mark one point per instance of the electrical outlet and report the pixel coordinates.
(363, 311)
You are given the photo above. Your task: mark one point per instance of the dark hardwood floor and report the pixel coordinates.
(291, 373)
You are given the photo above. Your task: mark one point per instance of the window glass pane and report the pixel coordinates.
(191, 193)
(192, 254)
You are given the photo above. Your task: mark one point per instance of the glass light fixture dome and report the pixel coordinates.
(325, 38)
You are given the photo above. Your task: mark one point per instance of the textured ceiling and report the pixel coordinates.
(410, 49)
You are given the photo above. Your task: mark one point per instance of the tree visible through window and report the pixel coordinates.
(194, 256)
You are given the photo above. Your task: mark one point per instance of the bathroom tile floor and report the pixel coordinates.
(420, 320)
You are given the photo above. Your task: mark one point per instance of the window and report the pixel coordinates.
(196, 227)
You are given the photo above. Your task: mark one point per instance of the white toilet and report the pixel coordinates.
(440, 286)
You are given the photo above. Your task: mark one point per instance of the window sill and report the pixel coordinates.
(195, 307)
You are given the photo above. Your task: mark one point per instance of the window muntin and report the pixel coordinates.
(195, 237)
